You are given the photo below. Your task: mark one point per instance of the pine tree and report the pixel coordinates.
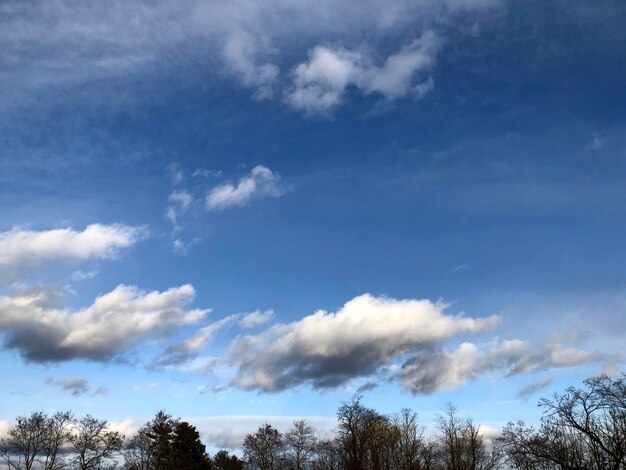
(188, 451)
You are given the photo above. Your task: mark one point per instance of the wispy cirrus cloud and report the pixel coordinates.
(529, 390)
(256, 318)
(597, 143)
(241, 53)
(65, 44)
(187, 350)
(179, 203)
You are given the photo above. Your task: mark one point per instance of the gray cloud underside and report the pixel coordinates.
(76, 386)
(329, 349)
(114, 323)
(386, 339)
(529, 390)
(429, 371)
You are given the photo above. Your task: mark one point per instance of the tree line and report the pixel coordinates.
(580, 429)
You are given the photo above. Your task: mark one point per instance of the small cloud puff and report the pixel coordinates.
(261, 182)
(75, 386)
(319, 85)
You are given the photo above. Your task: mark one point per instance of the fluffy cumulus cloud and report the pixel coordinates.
(34, 324)
(431, 370)
(261, 182)
(321, 83)
(328, 349)
(22, 251)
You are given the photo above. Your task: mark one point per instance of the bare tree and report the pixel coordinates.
(407, 440)
(582, 428)
(327, 456)
(462, 445)
(138, 452)
(598, 415)
(429, 454)
(301, 441)
(263, 449)
(94, 445)
(56, 437)
(358, 426)
(25, 442)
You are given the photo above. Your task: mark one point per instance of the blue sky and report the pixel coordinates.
(241, 211)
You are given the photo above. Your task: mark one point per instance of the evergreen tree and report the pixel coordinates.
(160, 432)
(188, 451)
(223, 461)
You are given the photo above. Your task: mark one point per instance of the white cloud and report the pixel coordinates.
(433, 370)
(205, 334)
(127, 427)
(188, 350)
(228, 432)
(489, 433)
(22, 251)
(180, 201)
(261, 182)
(456, 269)
(320, 84)
(114, 323)
(5, 427)
(80, 275)
(394, 78)
(256, 318)
(328, 349)
(402, 340)
(240, 53)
